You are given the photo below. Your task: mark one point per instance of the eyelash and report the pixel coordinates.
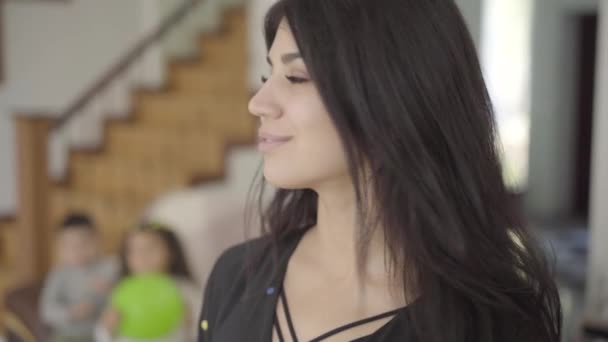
(292, 79)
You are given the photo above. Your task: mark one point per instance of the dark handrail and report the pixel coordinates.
(126, 61)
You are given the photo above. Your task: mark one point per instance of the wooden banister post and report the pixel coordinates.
(33, 234)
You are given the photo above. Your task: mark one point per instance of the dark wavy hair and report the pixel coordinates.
(402, 83)
(78, 221)
(178, 266)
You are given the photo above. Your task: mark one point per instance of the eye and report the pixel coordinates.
(296, 80)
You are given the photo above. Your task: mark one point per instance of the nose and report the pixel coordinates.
(264, 103)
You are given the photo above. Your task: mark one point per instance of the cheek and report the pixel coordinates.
(160, 261)
(133, 262)
(314, 156)
(137, 261)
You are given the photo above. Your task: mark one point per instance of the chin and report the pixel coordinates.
(283, 182)
(284, 178)
(291, 173)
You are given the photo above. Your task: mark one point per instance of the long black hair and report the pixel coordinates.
(178, 266)
(402, 83)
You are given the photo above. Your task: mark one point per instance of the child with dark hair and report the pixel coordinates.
(75, 290)
(153, 248)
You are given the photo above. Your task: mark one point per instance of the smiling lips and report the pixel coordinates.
(268, 142)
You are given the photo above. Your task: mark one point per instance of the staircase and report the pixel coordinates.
(174, 137)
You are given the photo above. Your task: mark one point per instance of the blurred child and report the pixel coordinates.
(75, 291)
(153, 248)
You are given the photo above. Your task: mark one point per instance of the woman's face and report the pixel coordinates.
(299, 142)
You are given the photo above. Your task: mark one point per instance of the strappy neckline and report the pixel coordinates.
(332, 332)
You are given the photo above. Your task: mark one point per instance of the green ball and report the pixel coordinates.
(150, 306)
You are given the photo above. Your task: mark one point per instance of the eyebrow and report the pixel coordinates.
(286, 58)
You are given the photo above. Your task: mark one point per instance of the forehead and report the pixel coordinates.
(143, 237)
(283, 41)
(76, 233)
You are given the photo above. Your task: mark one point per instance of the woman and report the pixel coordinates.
(391, 221)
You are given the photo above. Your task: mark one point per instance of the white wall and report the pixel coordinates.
(597, 280)
(53, 51)
(505, 56)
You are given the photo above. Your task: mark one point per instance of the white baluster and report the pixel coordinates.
(58, 153)
(98, 115)
(72, 128)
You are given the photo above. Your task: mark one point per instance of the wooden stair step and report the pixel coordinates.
(111, 204)
(223, 115)
(125, 174)
(136, 186)
(236, 18)
(216, 58)
(232, 122)
(210, 85)
(7, 230)
(177, 103)
(158, 142)
(63, 199)
(213, 116)
(241, 130)
(210, 81)
(231, 33)
(223, 52)
(128, 176)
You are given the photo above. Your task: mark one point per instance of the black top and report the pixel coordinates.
(240, 298)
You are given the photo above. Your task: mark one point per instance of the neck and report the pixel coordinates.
(336, 231)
